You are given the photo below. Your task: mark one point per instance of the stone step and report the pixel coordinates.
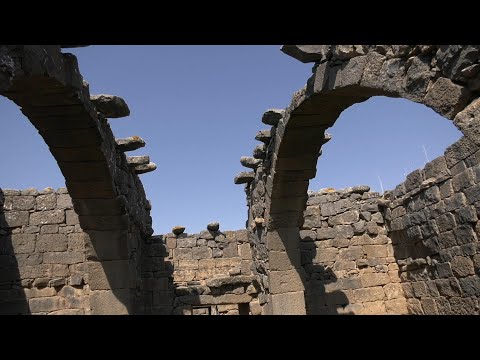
(244, 177)
(264, 136)
(250, 162)
(110, 105)
(307, 53)
(138, 160)
(327, 138)
(260, 151)
(143, 169)
(273, 116)
(130, 144)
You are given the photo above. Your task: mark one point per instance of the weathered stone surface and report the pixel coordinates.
(12, 219)
(346, 52)
(108, 302)
(279, 260)
(375, 279)
(110, 106)
(52, 242)
(177, 230)
(369, 294)
(285, 281)
(143, 169)
(130, 144)
(348, 217)
(202, 252)
(233, 280)
(272, 116)
(244, 178)
(21, 203)
(105, 275)
(46, 304)
(138, 160)
(47, 217)
(250, 162)
(264, 136)
(70, 257)
(307, 53)
(213, 226)
(259, 152)
(462, 266)
(21, 244)
(291, 303)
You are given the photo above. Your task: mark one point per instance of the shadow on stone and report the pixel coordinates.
(12, 296)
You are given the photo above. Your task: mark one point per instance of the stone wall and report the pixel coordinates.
(445, 78)
(347, 255)
(49, 264)
(210, 273)
(42, 254)
(433, 223)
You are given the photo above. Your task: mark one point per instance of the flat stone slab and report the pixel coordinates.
(138, 160)
(264, 136)
(244, 178)
(273, 116)
(110, 105)
(130, 144)
(232, 280)
(250, 162)
(143, 169)
(307, 53)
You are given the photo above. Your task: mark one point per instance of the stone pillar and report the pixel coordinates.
(111, 275)
(286, 277)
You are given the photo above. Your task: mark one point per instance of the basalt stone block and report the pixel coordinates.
(308, 53)
(273, 116)
(250, 162)
(244, 178)
(130, 144)
(110, 106)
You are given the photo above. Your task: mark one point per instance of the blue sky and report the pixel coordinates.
(199, 108)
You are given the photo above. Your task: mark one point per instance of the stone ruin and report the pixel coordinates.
(89, 248)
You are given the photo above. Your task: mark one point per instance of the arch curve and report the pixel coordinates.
(106, 192)
(444, 78)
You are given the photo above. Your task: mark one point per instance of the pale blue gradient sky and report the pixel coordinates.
(199, 108)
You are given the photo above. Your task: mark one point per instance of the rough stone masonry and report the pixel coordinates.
(91, 249)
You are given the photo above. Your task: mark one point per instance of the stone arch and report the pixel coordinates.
(106, 192)
(444, 78)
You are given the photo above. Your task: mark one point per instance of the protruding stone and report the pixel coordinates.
(110, 105)
(358, 189)
(244, 177)
(259, 152)
(259, 221)
(237, 280)
(138, 160)
(307, 53)
(250, 162)
(142, 169)
(56, 282)
(272, 116)
(213, 226)
(264, 136)
(346, 52)
(327, 137)
(177, 230)
(130, 143)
